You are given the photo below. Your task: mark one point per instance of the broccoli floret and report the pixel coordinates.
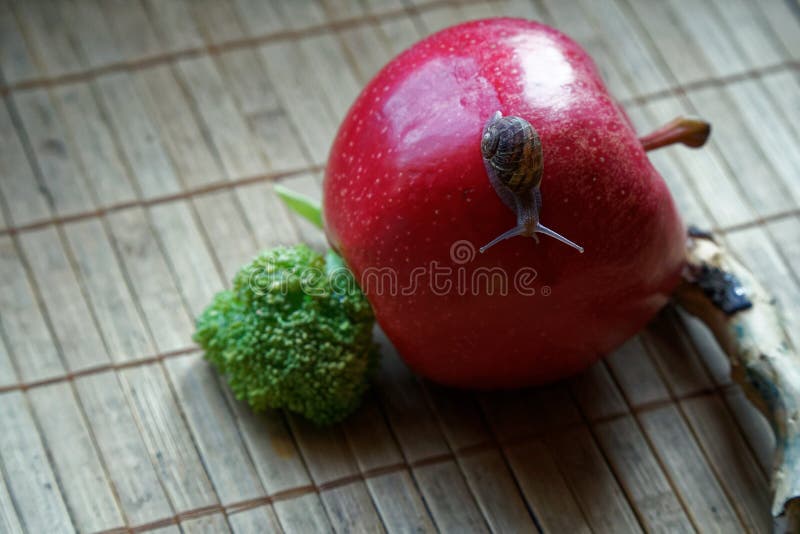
(294, 332)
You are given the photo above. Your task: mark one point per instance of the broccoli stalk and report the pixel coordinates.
(294, 332)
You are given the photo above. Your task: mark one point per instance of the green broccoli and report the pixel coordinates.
(294, 332)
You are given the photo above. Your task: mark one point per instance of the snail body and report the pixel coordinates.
(512, 155)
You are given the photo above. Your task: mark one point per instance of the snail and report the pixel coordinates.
(512, 154)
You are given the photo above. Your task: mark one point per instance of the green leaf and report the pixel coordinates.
(302, 205)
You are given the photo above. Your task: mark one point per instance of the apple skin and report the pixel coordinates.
(405, 180)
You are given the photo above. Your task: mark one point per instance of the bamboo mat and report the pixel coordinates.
(139, 141)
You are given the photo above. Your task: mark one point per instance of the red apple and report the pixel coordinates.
(406, 195)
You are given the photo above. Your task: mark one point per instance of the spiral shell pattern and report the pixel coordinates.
(512, 149)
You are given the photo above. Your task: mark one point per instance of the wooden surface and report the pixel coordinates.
(139, 141)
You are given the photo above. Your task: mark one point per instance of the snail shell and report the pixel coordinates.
(512, 148)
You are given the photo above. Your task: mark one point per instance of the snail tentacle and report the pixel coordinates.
(517, 230)
(542, 229)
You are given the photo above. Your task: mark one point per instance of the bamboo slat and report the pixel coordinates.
(640, 67)
(214, 429)
(51, 154)
(718, 200)
(260, 106)
(8, 517)
(164, 94)
(714, 360)
(782, 23)
(686, 466)
(75, 460)
(150, 279)
(400, 33)
(301, 97)
(218, 21)
(329, 459)
(368, 50)
(8, 375)
(327, 61)
(571, 17)
(140, 494)
(27, 336)
(253, 521)
(636, 374)
(762, 256)
(267, 438)
(732, 137)
(751, 28)
(754, 427)
(119, 319)
(235, 146)
(227, 229)
(596, 394)
(137, 38)
(597, 492)
(545, 489)
(187, 254)
(174, 24)
(728, 453)
(139, 139)
(783, 89)
(395, 494)
(441, 483)
(55, 48)
(171, 446)
(642, 477)
(94, 145)
(62, 298)
(16, 60)
(675, 357)
(210, 524)
(88, 27)
(38, 499)
(24, 201)
(485, 468)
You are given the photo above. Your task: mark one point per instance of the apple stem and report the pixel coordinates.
(689, 131)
